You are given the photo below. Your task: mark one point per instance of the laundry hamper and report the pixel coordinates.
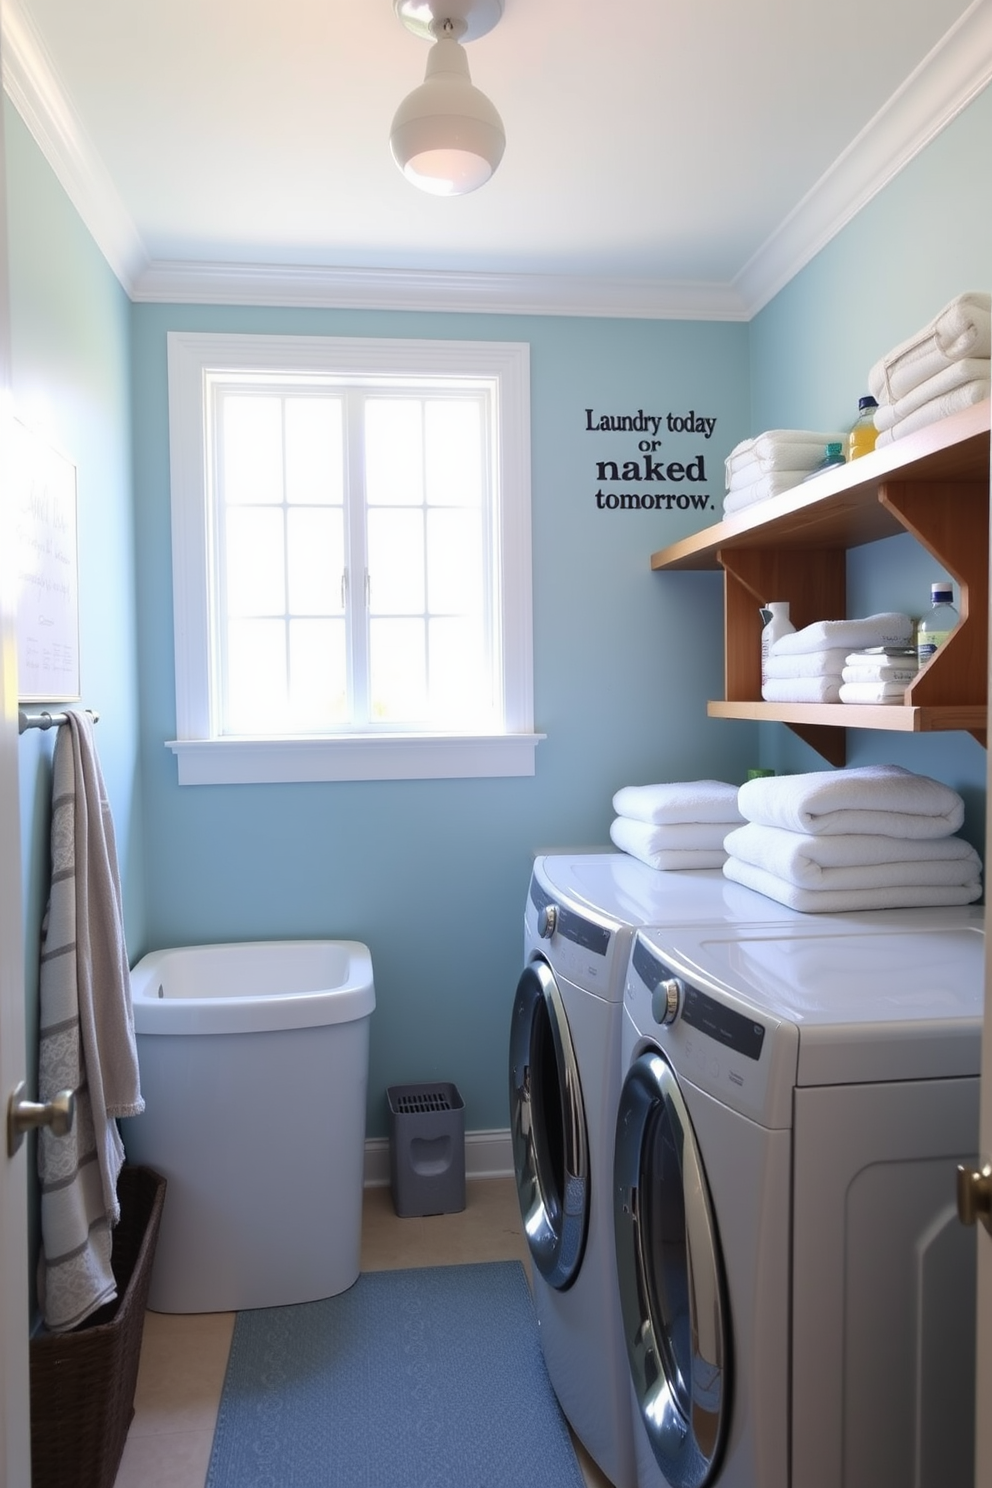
(82, 1382)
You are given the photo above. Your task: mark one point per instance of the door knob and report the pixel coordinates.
(975, 1195)
(22, 1115)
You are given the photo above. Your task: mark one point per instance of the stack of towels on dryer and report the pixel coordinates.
(941, 369)
(680, 824)
(875, 837)
(773, 462)
(808, 666)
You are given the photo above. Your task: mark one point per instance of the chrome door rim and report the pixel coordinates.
(682, 1392)
(552, 1188)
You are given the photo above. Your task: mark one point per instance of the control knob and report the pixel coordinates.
(666, 1000)
(547, 919)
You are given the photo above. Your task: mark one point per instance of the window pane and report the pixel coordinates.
(454, 563)
(318, 674)
(459, 675)
(394, 452)
(254, 561)
(314, 457)
(396, 562)
(256, 677)
(251, 452)
(398, 671)
(315, 560)
(453, 452)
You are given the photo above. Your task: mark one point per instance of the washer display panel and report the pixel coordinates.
(672, 1286)
(548, 1128)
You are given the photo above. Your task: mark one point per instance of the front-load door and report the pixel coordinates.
(672, 1287)
(548, 1128)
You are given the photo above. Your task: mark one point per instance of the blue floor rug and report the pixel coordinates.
(411, 1379)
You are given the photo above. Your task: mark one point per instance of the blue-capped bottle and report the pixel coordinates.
(861, 440)
(938, 622)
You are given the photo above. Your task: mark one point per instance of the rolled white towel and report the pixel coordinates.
(763, 489)
(641, 840)
(829, 663)
(883, 799)
(936, 409)
(972, 369)
(854, 860)
(802, 689)
(779, 449)
(873, 692)
(844, 901)
(677, 801)
(962, 329)
(886, 628)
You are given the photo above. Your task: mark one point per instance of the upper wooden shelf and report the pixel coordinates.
(842, 508)
(933, 485)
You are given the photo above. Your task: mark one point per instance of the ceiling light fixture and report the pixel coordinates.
(447, 138)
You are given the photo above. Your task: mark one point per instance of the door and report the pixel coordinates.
(548, 1128)
(983, 1372)
(672, 1284)
(15, 1452)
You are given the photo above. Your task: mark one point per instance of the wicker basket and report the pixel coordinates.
(82, 1382)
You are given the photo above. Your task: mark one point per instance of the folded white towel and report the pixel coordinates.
(827, 663)
(779, 449)
(972, 369)
(802, 689)
(843, 901)
(679, 801)
(640, 839)
(878, 671)
(963, 329)
(884, 799)
(855, 860)
(763, 488)
(887, 628)
(937, 409)
(873, 692)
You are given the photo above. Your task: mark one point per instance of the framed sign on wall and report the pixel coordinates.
(44, 482)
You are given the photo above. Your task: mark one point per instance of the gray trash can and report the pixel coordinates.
(426, 1149)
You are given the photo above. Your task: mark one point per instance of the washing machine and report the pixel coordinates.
(564, 1066)
(797, 1295)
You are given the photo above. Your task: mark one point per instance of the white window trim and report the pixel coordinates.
(206, 760)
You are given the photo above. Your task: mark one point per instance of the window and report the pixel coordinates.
(351, 558)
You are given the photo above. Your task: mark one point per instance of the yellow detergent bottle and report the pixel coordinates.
(861, 440)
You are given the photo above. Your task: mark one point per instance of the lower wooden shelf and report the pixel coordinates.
(822, 725)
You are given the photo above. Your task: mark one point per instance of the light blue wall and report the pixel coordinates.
(926, 238)
(71, 379)
(432, 875)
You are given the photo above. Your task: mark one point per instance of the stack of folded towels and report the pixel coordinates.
(807, 666)
(771, 463)
(879, 674)
(678, 824)
(944, 367)
(876, 837)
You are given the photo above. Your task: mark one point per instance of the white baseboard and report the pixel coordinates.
(488, 1154)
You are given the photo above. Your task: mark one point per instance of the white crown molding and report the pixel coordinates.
(434, 289)
(953, 74)
(947, 80)
(34, 88)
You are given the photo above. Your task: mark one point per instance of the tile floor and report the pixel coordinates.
(183, 1357)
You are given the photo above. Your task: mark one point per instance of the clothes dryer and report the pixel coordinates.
(580, 916)
(797, 1295)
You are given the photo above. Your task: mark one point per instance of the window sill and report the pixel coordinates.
(384, 757)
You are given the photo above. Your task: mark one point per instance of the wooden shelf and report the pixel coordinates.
(934, 485)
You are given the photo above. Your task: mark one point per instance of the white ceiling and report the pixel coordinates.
(662, 156)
